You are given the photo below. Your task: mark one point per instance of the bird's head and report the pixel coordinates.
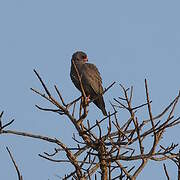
(80, 57)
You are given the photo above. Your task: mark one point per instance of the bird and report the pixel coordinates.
(90, 79)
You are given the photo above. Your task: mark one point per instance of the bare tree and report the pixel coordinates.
(110, 153)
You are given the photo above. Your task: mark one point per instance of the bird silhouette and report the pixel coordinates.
(90, 78)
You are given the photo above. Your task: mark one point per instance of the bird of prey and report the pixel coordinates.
(90, 79)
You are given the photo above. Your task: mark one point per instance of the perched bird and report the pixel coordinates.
(90, 78)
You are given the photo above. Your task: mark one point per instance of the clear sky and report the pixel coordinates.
(127, 40)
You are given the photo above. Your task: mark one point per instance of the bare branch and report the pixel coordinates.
(44, 86)
(102, 148)
(15, 165)
(165, 170)
(151, 118)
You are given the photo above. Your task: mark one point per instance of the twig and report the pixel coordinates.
(9, 123)
(59, 94)
(15, 165)
(80, 81)
(165, 170)
(151, 117)
(44, 86)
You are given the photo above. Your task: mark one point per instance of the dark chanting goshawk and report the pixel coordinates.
(90, 78)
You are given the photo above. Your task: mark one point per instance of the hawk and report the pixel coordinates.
(90, 78)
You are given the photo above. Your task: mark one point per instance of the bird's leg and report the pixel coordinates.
(88, 99)
(85, 101)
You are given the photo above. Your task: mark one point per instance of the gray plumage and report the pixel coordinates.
(90, 77)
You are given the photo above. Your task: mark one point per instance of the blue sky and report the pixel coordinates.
(127, 40)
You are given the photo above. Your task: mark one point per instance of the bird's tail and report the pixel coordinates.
(104, 112)
(101, 105)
